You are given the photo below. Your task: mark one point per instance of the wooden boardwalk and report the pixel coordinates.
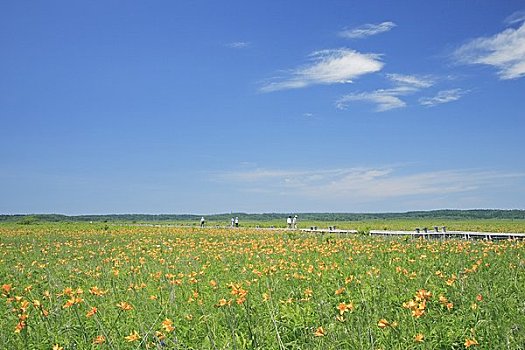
(333, 229)
(429, 234)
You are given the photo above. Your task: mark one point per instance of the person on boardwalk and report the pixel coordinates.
(289, 222)
(233, 222)
(294, 222)
(236, 221)
(202, 221)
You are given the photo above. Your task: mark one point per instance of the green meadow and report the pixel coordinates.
(106, 286)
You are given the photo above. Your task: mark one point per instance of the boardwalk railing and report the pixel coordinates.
(416, 233)
(429, 234)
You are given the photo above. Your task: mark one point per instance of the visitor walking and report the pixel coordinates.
(202, 221)
(233, 222)
(294, 222)
(289, 222)
(236, 221)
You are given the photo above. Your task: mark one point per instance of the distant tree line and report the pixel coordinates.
(445, 214)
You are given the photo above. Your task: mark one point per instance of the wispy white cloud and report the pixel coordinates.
(367, 183)
(505, 50)
(366, 30)
(414, 81)
(444, 96)
(383, 99)
(388, 99)
(328, 67)
(238, 44)
(516, 17)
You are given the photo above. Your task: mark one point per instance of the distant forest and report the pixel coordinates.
(434, 214)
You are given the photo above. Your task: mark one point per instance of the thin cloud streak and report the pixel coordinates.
(238, 44)
(411, 80)
(384, 100)
(388, 99)
(364, 184)
(516, 17)
(328, 67)
(444, 96)
(504, 51)
(367, 30)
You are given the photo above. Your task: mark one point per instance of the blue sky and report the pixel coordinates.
(261, 106)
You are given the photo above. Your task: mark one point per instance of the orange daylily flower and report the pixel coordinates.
(159, 335)
(411, 304)
(343, 307)
(451, 280)
(418, 338)
(340, 291)
(96, 291)
(383, 323)
(417, 313)
(6, 288)
(319, 332)
(69, 303)
(91, 312)
(19, 326)
(470, 342)
(133, 336)
(125, 306)
(419, 304)
(224, 302)
(24, 305)
(423, 294)
(167, 325)
(100, 339)
(67, 291)
(349, 279)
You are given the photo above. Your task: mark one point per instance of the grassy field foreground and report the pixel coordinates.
(117, 287)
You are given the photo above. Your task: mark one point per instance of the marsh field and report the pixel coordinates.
(108, 286)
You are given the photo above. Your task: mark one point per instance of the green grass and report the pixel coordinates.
(249, 289)
(483, 225)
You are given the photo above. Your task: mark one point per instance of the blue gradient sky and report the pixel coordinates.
(261, 106)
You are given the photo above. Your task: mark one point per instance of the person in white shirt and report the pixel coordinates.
(294, 222)
(202, 221)
(236, 221)
(289, 222)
